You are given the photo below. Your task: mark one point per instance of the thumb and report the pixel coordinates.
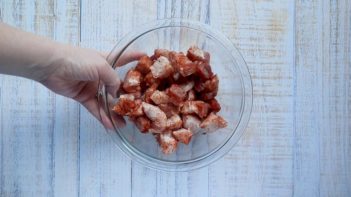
(110, 79)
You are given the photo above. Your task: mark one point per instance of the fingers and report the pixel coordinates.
(111, 80)
(108, 75)
(89, 101)
(129, 57)
(125, 58)
(93, 107)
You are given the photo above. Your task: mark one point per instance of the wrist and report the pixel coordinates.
(43, 61)
(25, 54)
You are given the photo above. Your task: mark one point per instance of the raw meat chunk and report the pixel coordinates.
(213, 122)
(161, 68)
(176, 94)
(156, 115)
(197, 54)
(143, 124)
(169, 109)
(159, 97)
(132, 81)
(167, 142)
(214, 105)
(174, 122)
(195, 107)
(144, 65)
(183, 135)
(191, 122)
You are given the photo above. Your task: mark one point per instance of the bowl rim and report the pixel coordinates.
(245, 112)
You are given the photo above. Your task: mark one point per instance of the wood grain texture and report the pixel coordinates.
(322, 91)
(261, 163)
(298, 142)
(38, 128)
(104, 170)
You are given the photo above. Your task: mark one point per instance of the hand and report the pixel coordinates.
(75, 73)
(67, 70)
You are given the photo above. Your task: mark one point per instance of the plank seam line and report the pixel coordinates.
(294, 98)
(79, 115)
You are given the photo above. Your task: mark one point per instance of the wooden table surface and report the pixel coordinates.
(298, 141)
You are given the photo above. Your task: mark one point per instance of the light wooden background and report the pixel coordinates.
(298, 142)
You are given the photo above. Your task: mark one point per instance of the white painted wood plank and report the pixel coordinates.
(27, 158)
(322, 160)
(194, 183)
(143, 180)
(66, 148)
(261, 163)
(166, 181)
(104, 170)
(66, 129)
(39, 129)
(309, 47)
(335, 146)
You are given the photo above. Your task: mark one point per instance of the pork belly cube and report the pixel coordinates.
(174, 59)
(137, 110)
(148, 93)
(187, 85)
(203, 70)
(196, 54)
(191, 122)
(191, 95)
(213, 122)
(169, 109)
(211, 85)
(199, 86)
(187, 69)
(136, 95)
(161, 52)
(161, 68)
(125, 103)
(185, 66)
(132, 81)
(208, 95)
(183, 135)
(195, 107)
(174, 122)
(167, 142)
(159, 97)
(156, 115)
(176, 94)
(150, 80)
(182, 64)
(176, 75)
(214, 105)
(144, 65)
(143, 124)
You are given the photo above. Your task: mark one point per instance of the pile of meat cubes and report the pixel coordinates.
(172, 95)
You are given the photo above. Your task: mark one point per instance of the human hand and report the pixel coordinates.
(75, 73)
(67, 70)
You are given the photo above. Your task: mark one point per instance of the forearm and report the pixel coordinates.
(25, 54)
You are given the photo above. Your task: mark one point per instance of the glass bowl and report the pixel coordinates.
(234, 94)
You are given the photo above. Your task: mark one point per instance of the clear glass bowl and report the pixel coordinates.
(234, 95)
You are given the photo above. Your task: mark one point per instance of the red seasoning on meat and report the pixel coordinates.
(172, 96)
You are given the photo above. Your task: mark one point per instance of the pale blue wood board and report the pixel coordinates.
(261, 163)
(322, 162)
(298, 139)
(39, 130)
(104, 170)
